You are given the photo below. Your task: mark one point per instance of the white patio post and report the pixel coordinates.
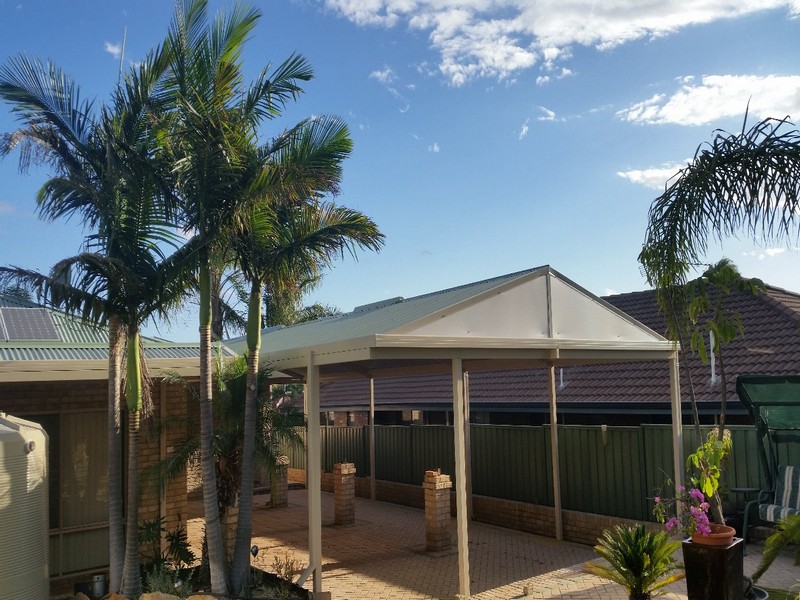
(372, 438)
(462, 518)
(554, 452)
(314, 474)
(468, 447)
(677, 417)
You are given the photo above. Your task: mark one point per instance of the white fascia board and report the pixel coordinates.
(326, 354)
(422, 341)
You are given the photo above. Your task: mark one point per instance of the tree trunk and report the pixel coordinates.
(131, 578)
(116, 533)
(244, 527)
(216, 550)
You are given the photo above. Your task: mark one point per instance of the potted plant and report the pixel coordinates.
(696, 512)
(641, 561)
(713, 558)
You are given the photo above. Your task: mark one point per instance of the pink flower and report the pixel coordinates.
(657, 499)
(671, 524)
(697, 495)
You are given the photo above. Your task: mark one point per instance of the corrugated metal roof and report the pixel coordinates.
(378, 317)
(536, 315)
(82, 341)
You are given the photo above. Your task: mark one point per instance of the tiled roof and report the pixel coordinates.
(770, 345)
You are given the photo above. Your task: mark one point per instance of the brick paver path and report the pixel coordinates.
(382, 556)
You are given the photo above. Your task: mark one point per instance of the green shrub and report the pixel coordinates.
(641, 561)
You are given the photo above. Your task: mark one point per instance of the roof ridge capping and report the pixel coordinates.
(364, 308)
(376, 305)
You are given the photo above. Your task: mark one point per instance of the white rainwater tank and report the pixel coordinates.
(23, 510)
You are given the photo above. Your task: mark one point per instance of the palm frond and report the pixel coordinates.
(787, 532)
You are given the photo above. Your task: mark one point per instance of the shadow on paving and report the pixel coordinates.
(382, 555)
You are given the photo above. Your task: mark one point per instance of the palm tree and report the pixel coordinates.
(216, 118)
(285, 243)
(106, 173)
(748, 182)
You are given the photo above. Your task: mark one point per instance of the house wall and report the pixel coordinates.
(84, 403)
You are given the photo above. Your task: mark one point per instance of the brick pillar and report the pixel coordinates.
(279, 483)
(437, 511)
(344, 490)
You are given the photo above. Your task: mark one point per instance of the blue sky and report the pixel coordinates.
(490, 136)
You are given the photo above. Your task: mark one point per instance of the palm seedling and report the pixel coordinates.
(641, 561)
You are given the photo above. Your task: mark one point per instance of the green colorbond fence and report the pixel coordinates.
(611, 471)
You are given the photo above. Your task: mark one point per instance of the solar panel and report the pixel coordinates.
(28, 324)
(2, 331)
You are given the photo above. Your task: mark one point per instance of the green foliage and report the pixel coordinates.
(276, 427)
(177, 553)
(706, 311)
(705, 464)
(786, 532)
(641, 561)
(742, 182)
(17, 292)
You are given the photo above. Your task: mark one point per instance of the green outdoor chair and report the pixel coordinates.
(773, 402)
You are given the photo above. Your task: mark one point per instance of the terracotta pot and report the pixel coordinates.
(721, 535)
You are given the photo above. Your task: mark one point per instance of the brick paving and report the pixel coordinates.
(382, 556)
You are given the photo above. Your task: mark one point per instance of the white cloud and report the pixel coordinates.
(6, 208)
(385, 76)
(497, 38)
(434, 148)
(524, 130)
(765, 254)
(547, 115)
(113, 49)
(719, 96)
(654, 178)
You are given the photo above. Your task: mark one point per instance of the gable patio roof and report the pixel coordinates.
(535, 317)
(770, 344)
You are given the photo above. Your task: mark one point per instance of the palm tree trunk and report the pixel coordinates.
(244, 526)
(116, 533)
(216, 550)
(131, 579)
